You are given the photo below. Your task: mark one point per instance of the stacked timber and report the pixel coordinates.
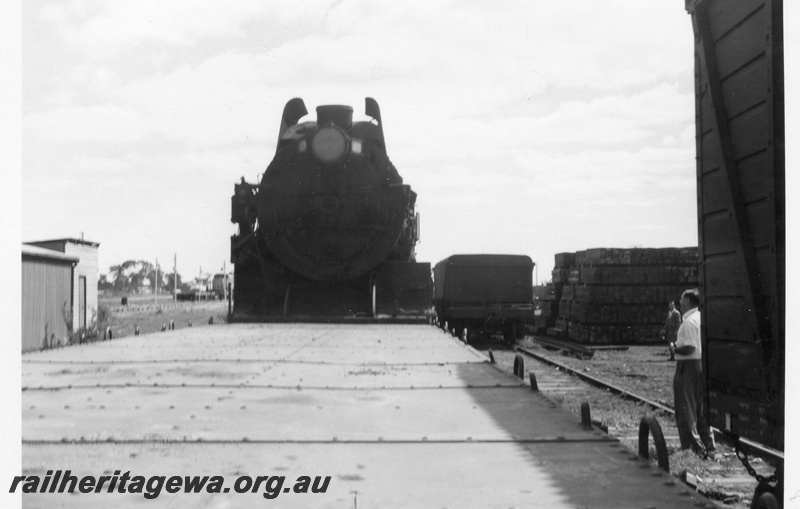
(616, 296)
(549, 320)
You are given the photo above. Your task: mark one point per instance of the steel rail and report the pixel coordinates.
(598, 382)
(757, 448)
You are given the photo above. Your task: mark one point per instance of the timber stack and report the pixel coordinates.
(616, 296)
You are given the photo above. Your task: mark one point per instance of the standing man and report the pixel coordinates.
(690, 408)
(670, 330)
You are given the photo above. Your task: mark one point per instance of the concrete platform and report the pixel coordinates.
(395, 415)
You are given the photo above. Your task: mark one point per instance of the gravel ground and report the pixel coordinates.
(646, 371)
(150, 317)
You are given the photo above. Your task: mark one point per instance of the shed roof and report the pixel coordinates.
(67, 239)
(40, 252)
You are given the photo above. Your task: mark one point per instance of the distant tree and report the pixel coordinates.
(121, 283)
(130, 275)
(145, 271)
(114, 273)
(103, 284)
(169, 281)
(164, 280)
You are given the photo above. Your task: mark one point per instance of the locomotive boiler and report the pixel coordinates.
(330, 230)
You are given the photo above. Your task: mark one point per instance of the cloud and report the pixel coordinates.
(105, 27)
(530, 117)
(215, 103)
(97, 123)
(448, 72)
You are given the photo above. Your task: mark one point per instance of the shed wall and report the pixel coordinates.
(87, 267)
(46, 289)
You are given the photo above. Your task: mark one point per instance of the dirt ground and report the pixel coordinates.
(647, 372)
(151, 317)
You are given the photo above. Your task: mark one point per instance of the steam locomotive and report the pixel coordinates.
(329, 232)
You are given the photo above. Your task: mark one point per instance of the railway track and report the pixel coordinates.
(754, 447)
(617, 410)
(597, 382)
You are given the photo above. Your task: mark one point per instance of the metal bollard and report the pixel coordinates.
(172, 325)
(519, 366)
(648, 426)
(136, 331)
(586, 415)
(534, 384)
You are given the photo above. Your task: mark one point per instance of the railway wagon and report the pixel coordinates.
(485, 294)
(739, 97)
(330, 230)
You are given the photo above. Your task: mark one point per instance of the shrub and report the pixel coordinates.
(101, 318)
(103, 315)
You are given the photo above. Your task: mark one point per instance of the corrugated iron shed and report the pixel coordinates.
(85, 276)
(46, 294)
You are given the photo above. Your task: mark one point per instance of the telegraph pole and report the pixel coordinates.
(155, 283)
(175, 276)
(224, 281)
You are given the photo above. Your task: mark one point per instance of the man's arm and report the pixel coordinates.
(683, 350)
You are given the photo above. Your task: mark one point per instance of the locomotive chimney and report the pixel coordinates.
(336, 113)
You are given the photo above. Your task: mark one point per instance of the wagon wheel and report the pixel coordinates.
(510, 331)
(767, 496)
(766, 501)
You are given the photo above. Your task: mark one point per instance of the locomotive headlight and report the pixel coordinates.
(329, 144)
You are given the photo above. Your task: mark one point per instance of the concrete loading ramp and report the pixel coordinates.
(397, 416)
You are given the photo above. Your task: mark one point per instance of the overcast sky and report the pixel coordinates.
(535, 128)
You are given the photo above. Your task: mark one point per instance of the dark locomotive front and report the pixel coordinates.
(330, 230)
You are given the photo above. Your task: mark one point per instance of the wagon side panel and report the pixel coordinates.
(740, 176)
